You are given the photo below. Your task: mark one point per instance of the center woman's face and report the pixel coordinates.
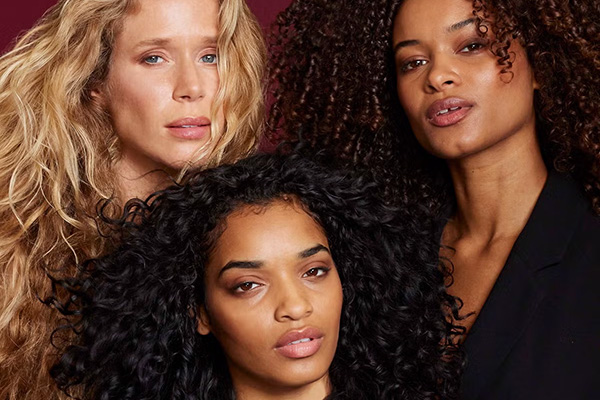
(449, 83)
(161, 82)
(273, 298)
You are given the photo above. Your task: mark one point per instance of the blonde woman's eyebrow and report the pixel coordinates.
(206, 41)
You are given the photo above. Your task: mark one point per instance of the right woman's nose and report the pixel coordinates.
(442, 74)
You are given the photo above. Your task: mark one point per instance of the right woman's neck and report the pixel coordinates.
(496, 191)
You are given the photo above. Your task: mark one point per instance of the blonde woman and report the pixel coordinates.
(107, 99)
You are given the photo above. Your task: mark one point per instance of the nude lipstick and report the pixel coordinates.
(449, 111)
(300, 343)
(190, 128)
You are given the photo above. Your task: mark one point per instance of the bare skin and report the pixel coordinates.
(462, 110)
(496, 192)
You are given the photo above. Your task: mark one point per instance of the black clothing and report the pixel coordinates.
(538, 334)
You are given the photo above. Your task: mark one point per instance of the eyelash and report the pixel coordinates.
(238, 288)
(214, 58)
(205, 59)
(249, 285)
(320, 271)
(478, 46)
(413, 64)
(146, 59)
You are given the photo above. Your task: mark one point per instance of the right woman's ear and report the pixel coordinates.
(203, 321)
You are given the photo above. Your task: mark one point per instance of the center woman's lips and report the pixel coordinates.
(191, 128)
(448, 111)
(300, 343)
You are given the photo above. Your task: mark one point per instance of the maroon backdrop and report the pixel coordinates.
(18, 16)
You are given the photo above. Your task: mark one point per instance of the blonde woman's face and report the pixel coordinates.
(161, 82)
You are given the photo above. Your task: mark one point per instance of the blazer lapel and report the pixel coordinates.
(521, 285)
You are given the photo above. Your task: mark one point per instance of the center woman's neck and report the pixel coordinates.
(317, 390)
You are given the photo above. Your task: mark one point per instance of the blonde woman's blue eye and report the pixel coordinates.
(153, 59)
(209, 59)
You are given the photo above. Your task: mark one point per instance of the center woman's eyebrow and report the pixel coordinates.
(452, 28)
(241, 264)
(257, 264)
(312, 251)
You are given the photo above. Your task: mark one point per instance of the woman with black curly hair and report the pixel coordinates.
(488, 113)
(231, 286)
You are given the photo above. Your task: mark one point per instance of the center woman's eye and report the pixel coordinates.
(316, 271)
(245, 286)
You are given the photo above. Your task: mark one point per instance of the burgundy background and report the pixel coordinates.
(16, 16)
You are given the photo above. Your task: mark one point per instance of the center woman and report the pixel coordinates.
(273, 278)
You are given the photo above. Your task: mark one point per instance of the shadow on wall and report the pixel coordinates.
(266, 10)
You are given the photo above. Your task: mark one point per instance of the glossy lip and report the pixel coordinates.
(287, 348)
(190, 128)
(459, 108)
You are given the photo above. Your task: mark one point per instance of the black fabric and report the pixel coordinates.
(538, 334)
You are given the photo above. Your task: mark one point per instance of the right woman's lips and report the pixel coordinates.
(300, 343)
(449, 111)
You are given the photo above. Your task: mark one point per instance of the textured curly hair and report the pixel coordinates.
(332, 74)
(58, 152)
(134, 308)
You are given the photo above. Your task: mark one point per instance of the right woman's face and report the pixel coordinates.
(273, 299)
(449, 83)
(161, 82)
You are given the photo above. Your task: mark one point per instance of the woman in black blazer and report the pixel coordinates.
(488, 113)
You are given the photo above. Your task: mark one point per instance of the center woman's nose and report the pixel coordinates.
(292, 302)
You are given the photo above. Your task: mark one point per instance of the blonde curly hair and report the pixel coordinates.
(57, 163)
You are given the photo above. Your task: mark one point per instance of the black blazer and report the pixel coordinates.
(538, 334)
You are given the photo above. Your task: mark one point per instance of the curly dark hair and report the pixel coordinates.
(332, 74)
(133, 309)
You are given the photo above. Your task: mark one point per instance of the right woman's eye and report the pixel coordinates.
(153, 59)
(412, 64)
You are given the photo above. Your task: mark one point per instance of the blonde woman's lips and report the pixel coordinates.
(449, 111)
(189, 128)
(300, 343)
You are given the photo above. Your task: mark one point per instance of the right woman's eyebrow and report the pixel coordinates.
(452, 28)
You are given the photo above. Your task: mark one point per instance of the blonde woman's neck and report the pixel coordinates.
(140, 180)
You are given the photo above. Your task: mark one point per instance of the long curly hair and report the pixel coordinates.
(134, 308)
(57, 154)
(332, 74)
